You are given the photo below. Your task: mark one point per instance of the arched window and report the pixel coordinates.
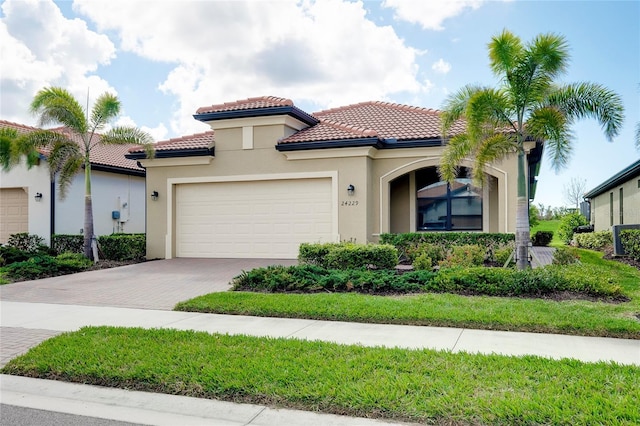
(443, 206)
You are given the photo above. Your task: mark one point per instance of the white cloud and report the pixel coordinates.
(441, 66)
(325, 52)
(430, 14)
(46, 49)
(158, 133)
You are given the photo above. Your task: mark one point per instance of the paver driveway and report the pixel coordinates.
(157, 284)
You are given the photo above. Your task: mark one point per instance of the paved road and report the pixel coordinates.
(21, 416)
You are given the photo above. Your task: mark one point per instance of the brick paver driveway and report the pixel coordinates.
(157, 284)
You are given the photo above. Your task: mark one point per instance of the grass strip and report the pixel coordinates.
(425, 386)
(577, 317)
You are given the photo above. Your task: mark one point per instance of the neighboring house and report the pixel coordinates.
(29, 201)
(616, 201)
(273, 176)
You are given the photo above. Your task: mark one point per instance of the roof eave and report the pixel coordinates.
(326, 144)
(174, 153)
(623, 176)
(258, 112)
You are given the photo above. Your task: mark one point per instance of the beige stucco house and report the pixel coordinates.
(29, 200)
(616, 201)
(269, 176)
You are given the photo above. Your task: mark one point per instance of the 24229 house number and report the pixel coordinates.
(349, 203)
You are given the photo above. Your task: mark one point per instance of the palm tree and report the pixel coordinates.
(526, 106)
(69, 151)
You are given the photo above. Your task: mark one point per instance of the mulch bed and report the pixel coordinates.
(608, 254)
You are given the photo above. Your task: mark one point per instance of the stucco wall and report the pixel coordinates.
(32, 180)
(602, 207)
(248, 153)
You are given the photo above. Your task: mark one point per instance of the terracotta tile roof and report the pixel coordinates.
(251, 103)
(103, 155)
(195, 141)
(375, 119)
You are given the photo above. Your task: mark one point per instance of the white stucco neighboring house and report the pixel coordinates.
(30, 202)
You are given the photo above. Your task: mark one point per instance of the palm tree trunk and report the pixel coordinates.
(88, 211)
(523, 235)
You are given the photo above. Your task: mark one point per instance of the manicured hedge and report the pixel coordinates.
(123, 246)
(594, 240)
(542, 238)
(630, 239)
(349, 255)
(536, 282)
(66, 243)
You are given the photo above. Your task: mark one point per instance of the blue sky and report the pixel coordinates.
(164, 59)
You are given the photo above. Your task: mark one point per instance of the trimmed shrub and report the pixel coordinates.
(349, 255)
(594, 240)
(565, 256)
(422, 263)
(542, 238)
(567, 225)
(26, 242)
(406, 242)
(464, 257)
(501, 255)
(123, 246)
(435, 252)
(630, 240)
(472, 281)
(65, 243)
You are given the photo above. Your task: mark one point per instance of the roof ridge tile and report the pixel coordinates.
(239, 102)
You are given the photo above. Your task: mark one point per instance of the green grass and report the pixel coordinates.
(549, 225)
(579, 317)
(424, 386)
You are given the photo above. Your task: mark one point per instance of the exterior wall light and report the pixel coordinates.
(154, 195)
(38, 196)
(351, 189)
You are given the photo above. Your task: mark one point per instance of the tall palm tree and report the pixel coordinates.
(69, 151)
(526, 106)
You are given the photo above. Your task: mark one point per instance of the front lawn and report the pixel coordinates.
(549, 226)
(415, 385)
(574, 316)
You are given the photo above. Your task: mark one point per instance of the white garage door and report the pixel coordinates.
(257, 219)
(14, 212)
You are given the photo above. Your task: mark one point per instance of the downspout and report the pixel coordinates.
(52, 212)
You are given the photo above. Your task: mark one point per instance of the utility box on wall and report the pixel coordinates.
(618, 250)
(123, 204)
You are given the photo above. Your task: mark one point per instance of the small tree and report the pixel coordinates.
(527, 105)
(68, 151)
(574, 191)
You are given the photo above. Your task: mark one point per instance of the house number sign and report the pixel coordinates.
(349, 203)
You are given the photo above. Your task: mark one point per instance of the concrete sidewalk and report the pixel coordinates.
(45, 320)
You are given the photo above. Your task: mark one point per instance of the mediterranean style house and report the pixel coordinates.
(29, 200)
(616, 201)
(269, 176)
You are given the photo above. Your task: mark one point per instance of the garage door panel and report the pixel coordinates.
(267, 219)
(14, 212)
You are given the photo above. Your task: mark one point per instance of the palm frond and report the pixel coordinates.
(591, 100)
(130, 135)
(551, 54)
(8, 151)
(505, 51)
(106, 108)
(65, 159)
(457, 149)
(455, 105)
(55, 105)
(68, 170)
(492, 148)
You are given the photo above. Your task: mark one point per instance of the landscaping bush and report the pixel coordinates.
(44, 265)
(349, 255)
(469, 281)
(9, 255)
(422, 263)
(65, 243)
(465, 256)
(435, 252)
(630, 240)
(405, 242)
(123, 246)
(26, 242)
(567, 225)
(542, 238)
(501, 255)
(594, 240)
(565, 256)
